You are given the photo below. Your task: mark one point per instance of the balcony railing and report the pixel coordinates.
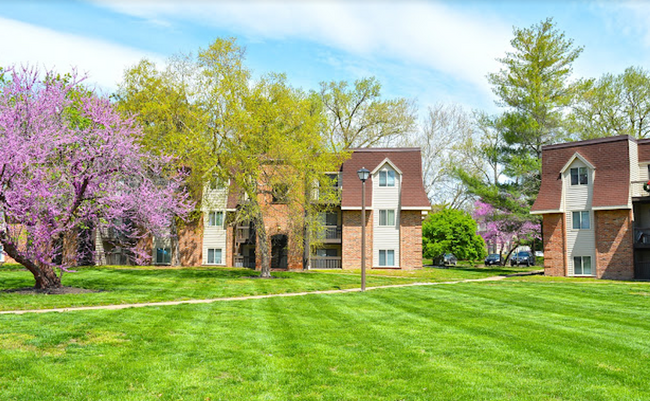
(335, 196)
(332, 234)
(245, 261)
(244, 234)
(637, 189)
(325, 262)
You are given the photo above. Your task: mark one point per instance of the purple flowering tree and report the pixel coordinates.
(69, 161)
(503, 229)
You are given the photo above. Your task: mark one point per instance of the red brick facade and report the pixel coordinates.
(190, 240)
(411, 239)
(614, 244)
(554, 244)
(351, 258)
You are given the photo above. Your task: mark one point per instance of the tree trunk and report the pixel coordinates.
(174, 242)
(263, 244)
(45, 276)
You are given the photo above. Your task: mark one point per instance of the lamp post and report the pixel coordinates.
(363, 174)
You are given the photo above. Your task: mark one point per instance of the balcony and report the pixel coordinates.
(331, 235)
(245, 235)
(325, 262)
(245, 261)
(642, 238)
(638, 191)
(331, 196)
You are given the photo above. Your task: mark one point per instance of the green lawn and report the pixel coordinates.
(512, 339)
(119, 285)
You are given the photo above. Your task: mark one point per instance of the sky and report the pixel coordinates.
(430, 51)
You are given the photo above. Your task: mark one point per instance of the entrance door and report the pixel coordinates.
(279, 251)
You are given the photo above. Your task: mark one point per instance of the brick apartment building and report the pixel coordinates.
(395, 203)
(596, 212)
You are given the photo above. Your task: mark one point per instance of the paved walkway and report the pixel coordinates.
(208, 301)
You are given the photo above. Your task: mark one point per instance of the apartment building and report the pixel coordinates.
(595, 203)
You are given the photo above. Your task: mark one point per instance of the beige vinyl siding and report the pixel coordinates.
(635, 190)
(385, 198)
(214, 237)
(580, 242)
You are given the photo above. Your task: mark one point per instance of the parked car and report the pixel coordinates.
(447, 259)
(522, 258)
(493, 259)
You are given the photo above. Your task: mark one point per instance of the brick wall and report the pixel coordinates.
(230, 245)
(554, 244)
(614, 244)
(190, 242)
(410, 239)
(351, 239)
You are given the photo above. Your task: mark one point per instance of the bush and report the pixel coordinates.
(454, 231)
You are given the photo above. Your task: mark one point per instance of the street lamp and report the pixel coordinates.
(363, 174)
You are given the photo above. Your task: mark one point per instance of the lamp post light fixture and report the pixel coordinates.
(363, 174)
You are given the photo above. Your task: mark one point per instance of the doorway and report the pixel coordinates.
(279, 251)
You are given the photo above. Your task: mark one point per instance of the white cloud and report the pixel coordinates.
(462, 45)
(103, 62)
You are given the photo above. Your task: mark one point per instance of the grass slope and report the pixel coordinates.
(476, 341)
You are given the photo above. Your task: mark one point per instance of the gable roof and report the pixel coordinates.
(611, 184)
(407, 161)
(578, 156)
(386, 161)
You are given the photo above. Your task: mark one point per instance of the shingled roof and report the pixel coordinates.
(407, 160)
(609, 156)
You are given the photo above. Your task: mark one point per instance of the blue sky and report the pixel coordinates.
(427, 50)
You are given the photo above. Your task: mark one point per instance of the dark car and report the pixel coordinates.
(447, 259)
(493, 259)
(522, 258)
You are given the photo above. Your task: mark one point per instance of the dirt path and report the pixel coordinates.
(244, 298)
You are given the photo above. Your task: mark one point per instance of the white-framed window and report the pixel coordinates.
(386, 257)
(387, 217)
(214, 256)
(163, 256)
(581, 220)
(579, 176)
(386, 178)
(2, 254)
(582, 265)
(215, 219)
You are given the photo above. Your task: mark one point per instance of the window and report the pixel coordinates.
(2, 254)
(163, 256)
(386, 217)
(386, 178)
(280, 193)
(216, 183)
(386, 257)
(333, 180)
(214, 256)
(582, 265)
(215, 219)
(581, 220)
(579, 176)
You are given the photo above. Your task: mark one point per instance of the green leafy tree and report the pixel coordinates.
(613, 105)
(258, 136)
(357, 117)
(454, 231)
(534, 87)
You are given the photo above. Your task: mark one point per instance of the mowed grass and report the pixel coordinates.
(124, 285)
(474, 341)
